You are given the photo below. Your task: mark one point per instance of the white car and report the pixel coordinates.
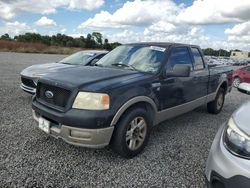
(228, 164)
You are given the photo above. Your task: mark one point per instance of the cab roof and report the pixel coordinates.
(162, 44)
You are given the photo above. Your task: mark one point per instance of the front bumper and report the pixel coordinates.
(222, 166)
(87, 119)
(93, 138)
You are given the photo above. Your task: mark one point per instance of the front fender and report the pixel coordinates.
(131, 102)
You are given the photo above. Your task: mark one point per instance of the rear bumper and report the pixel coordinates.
(28, 89)
(93, 138)
(222, 166)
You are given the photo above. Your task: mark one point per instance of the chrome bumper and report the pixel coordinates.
(28, 89)
(92, 138)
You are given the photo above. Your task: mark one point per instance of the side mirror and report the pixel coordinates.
(93, 62)
(244, 88)
(179, 70)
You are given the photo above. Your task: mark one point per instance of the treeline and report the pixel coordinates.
(92, 41)
(220, 52)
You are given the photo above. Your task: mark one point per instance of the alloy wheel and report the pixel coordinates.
(136, 133)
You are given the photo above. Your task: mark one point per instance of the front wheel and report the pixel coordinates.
(131, 133)
(215, 106)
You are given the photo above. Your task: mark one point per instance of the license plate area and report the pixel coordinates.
(44, 125)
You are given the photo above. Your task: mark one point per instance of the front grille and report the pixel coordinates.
(60, 95)
(28, 82)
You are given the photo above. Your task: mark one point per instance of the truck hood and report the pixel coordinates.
(241, 117)
(36, 71)
(91, 78)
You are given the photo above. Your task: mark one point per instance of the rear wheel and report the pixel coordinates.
(236, 82)
(131, 133)
(216, 105)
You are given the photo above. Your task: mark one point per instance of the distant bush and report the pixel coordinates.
(11, 45)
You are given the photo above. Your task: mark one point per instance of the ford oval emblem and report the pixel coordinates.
(49, 94)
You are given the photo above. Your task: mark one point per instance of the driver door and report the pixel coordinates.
(176, 91)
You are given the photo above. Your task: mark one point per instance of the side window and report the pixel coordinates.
(198, 62)
(247, 69)
(179, 55)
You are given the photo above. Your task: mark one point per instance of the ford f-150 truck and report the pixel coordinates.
(131, 89)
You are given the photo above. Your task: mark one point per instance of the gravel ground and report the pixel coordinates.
(175, 156)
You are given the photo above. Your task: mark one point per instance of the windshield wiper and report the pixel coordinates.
(125, 65)
(65, 63)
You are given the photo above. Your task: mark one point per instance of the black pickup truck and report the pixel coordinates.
(131, 89)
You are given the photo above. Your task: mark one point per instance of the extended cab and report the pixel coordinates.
(131, 89)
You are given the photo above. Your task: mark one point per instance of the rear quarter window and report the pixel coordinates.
(198, 61)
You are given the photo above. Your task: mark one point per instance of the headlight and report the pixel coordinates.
(91, 101)
(236, 140)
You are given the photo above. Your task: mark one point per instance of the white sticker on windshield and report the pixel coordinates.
(157, 48)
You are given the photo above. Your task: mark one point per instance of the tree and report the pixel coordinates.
(69, 43)
(97, 37)
(5, 37)
(115, 44)
(90, 42)
(79, 42)
(46, 40)
(106, 45)
(29, 37)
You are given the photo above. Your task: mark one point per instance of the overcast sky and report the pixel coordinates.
(209, 23)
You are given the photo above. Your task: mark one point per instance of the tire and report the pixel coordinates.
(236, 82)
(215, 106)
(131, 134)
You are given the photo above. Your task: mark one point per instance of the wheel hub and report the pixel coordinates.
(136, 133)
(220, 101)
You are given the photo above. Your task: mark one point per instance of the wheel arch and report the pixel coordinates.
(136, 101)
(224, 86)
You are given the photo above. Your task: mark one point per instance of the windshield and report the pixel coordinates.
(78, 58)
(134, 57)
